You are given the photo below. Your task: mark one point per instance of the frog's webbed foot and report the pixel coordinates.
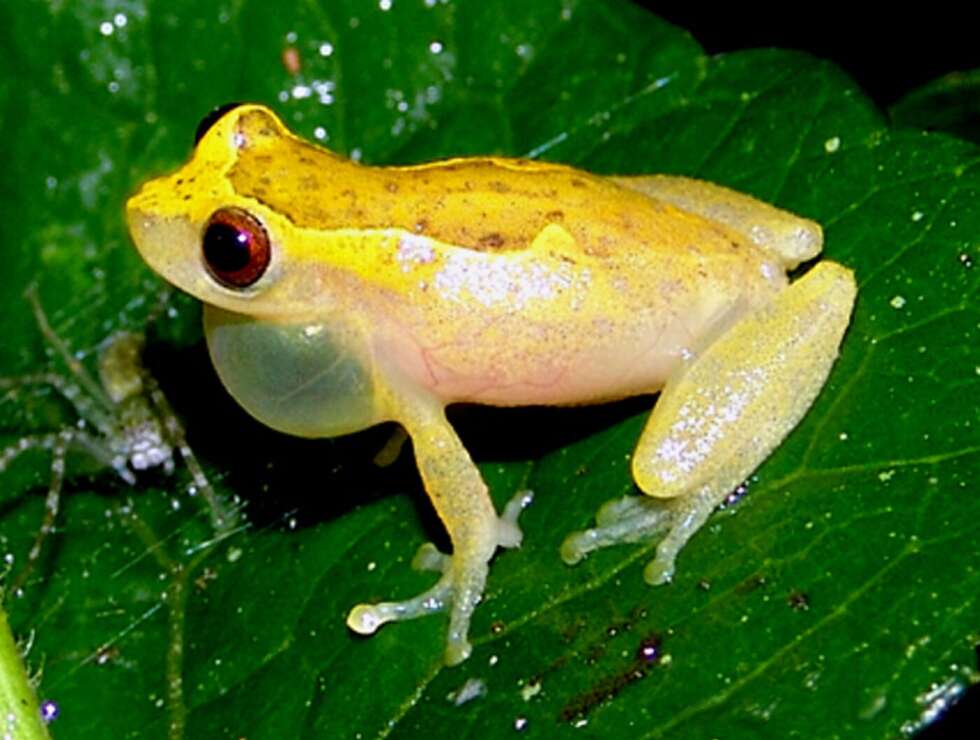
(633, 519)
(458, 590)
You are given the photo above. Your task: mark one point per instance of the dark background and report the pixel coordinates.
(890, 51)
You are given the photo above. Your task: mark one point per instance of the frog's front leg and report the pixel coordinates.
(722, 416)
(461, 499)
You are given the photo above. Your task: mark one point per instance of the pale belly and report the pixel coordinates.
(511, 361)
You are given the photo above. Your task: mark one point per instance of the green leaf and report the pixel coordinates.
(950, 103)
(838, 598)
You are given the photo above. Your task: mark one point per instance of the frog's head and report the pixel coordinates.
(217, 227)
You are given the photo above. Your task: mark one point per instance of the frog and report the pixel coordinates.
(339, 295)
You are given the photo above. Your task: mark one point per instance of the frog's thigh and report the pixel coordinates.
(460, 497)
(733, 404)
(715, 423)
(789, 238)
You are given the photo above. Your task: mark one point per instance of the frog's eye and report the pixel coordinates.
(235, 247)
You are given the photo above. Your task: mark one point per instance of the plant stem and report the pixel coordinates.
(20, 714)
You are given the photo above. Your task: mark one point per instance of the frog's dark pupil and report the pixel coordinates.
(235, 248)
(227, 249)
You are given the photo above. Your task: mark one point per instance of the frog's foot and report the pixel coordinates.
(632, 519)
(509, 535)
(458, 590)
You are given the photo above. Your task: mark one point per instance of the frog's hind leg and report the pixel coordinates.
(461, 499)
(723, 415)
(788, 237)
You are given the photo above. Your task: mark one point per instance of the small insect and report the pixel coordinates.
(124, 422)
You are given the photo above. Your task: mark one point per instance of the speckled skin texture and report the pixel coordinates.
(392, 292)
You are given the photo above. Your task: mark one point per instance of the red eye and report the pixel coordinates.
(236, 248)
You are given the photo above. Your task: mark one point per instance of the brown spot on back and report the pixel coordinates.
(492, 241)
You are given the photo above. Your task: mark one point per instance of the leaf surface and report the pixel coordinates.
(838, 598)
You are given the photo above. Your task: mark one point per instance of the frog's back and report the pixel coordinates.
(505, 204)
(484, 204)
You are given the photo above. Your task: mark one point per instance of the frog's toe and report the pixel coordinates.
(429, 558)
(459, 589)
(642, 519)
(577, 545)
(622, 520)
(458, 648)
(618, 509)
(509, 532)
(660, 570)
(365, 619)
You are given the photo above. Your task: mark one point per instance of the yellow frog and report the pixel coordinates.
(338, 296)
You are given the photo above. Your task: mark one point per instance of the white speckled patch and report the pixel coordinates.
(496, 281)
(414, 250)
(703, 423)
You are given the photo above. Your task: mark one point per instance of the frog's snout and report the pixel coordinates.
(141, 223)
(167, 242)
(150, 199)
